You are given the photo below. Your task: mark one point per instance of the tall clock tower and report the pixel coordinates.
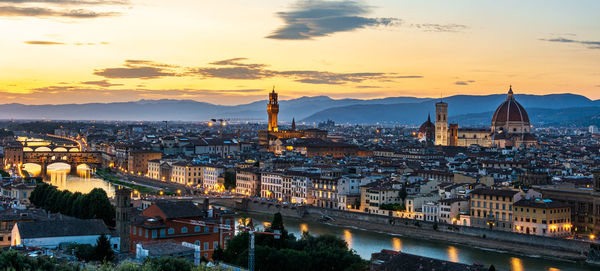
(272, 111)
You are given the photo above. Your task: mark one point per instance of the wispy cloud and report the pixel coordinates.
(588, 44)
(69, 2)
(74, 9)
(13, 11)
(100, 83)
(43, 42)
(235, 69)
(47, 42)
(440, 27)
(141, 69)
(316, 18)
(464, 83)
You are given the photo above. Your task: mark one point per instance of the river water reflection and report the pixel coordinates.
(365, 243)
(60, 175)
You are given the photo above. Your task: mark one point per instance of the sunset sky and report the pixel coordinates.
(234, 51)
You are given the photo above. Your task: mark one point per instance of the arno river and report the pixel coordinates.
(365, 242)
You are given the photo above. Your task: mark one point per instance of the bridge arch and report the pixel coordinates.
(59, 167)
(74, 150)
(43, 149)
(33, 169)
(27, 149)
(60, 149)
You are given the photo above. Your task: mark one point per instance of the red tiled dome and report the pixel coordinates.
(427, 126)
(510, 111)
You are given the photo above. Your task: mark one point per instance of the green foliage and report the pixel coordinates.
(392, 207)
(167, 264)
(4, 173)
(103, 249)
(326, 252)
(403, 193)
(85, 206)
(11, 260)
(229, 179)
(84, 252)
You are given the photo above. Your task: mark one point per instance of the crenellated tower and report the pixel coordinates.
(272, 111)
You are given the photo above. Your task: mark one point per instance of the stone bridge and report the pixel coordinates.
(74, 159)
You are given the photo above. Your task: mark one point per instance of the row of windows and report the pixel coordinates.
(491, 205)
(154, 233)
(485, 197)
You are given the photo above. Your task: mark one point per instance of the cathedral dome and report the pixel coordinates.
(427, 130)
(510, 116)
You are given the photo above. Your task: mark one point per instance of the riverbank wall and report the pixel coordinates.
(522, 244)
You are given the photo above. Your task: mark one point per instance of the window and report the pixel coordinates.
(206, 230)
(162, 232)
(197, 243)
(171, 231)
(205, 245)
(215, 244)
(134, 228)
(184, 230)
(197, 229)
(154, 233)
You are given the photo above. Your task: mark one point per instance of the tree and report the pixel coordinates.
(403, 193)
(103, 249)
(492, 268)
(167, 264)
(229, 179)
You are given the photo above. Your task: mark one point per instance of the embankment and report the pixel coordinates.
(572, 250)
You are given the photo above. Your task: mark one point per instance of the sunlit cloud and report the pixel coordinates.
(47, 42)
(69, 2)
(12, 11)
(141, 69)
(43, 42)
(234, 69)
(101, 83)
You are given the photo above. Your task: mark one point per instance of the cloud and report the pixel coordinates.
(316, 18)
(440, 27)
(235, 69)
(464, 83)
(101, 83)
(13, 11)
(142, 69)
(367, 87)
(68, 2)
(43, 42)
(588, 44)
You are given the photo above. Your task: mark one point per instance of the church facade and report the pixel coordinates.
(510, 127)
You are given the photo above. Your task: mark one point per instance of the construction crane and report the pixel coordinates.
(250, 230)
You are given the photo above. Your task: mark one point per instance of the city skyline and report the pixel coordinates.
(66, 51)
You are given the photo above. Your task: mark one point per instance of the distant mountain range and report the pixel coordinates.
(468, 110)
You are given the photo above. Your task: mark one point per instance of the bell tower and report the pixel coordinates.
(441, 123)
(123, 211)
(272, 111)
